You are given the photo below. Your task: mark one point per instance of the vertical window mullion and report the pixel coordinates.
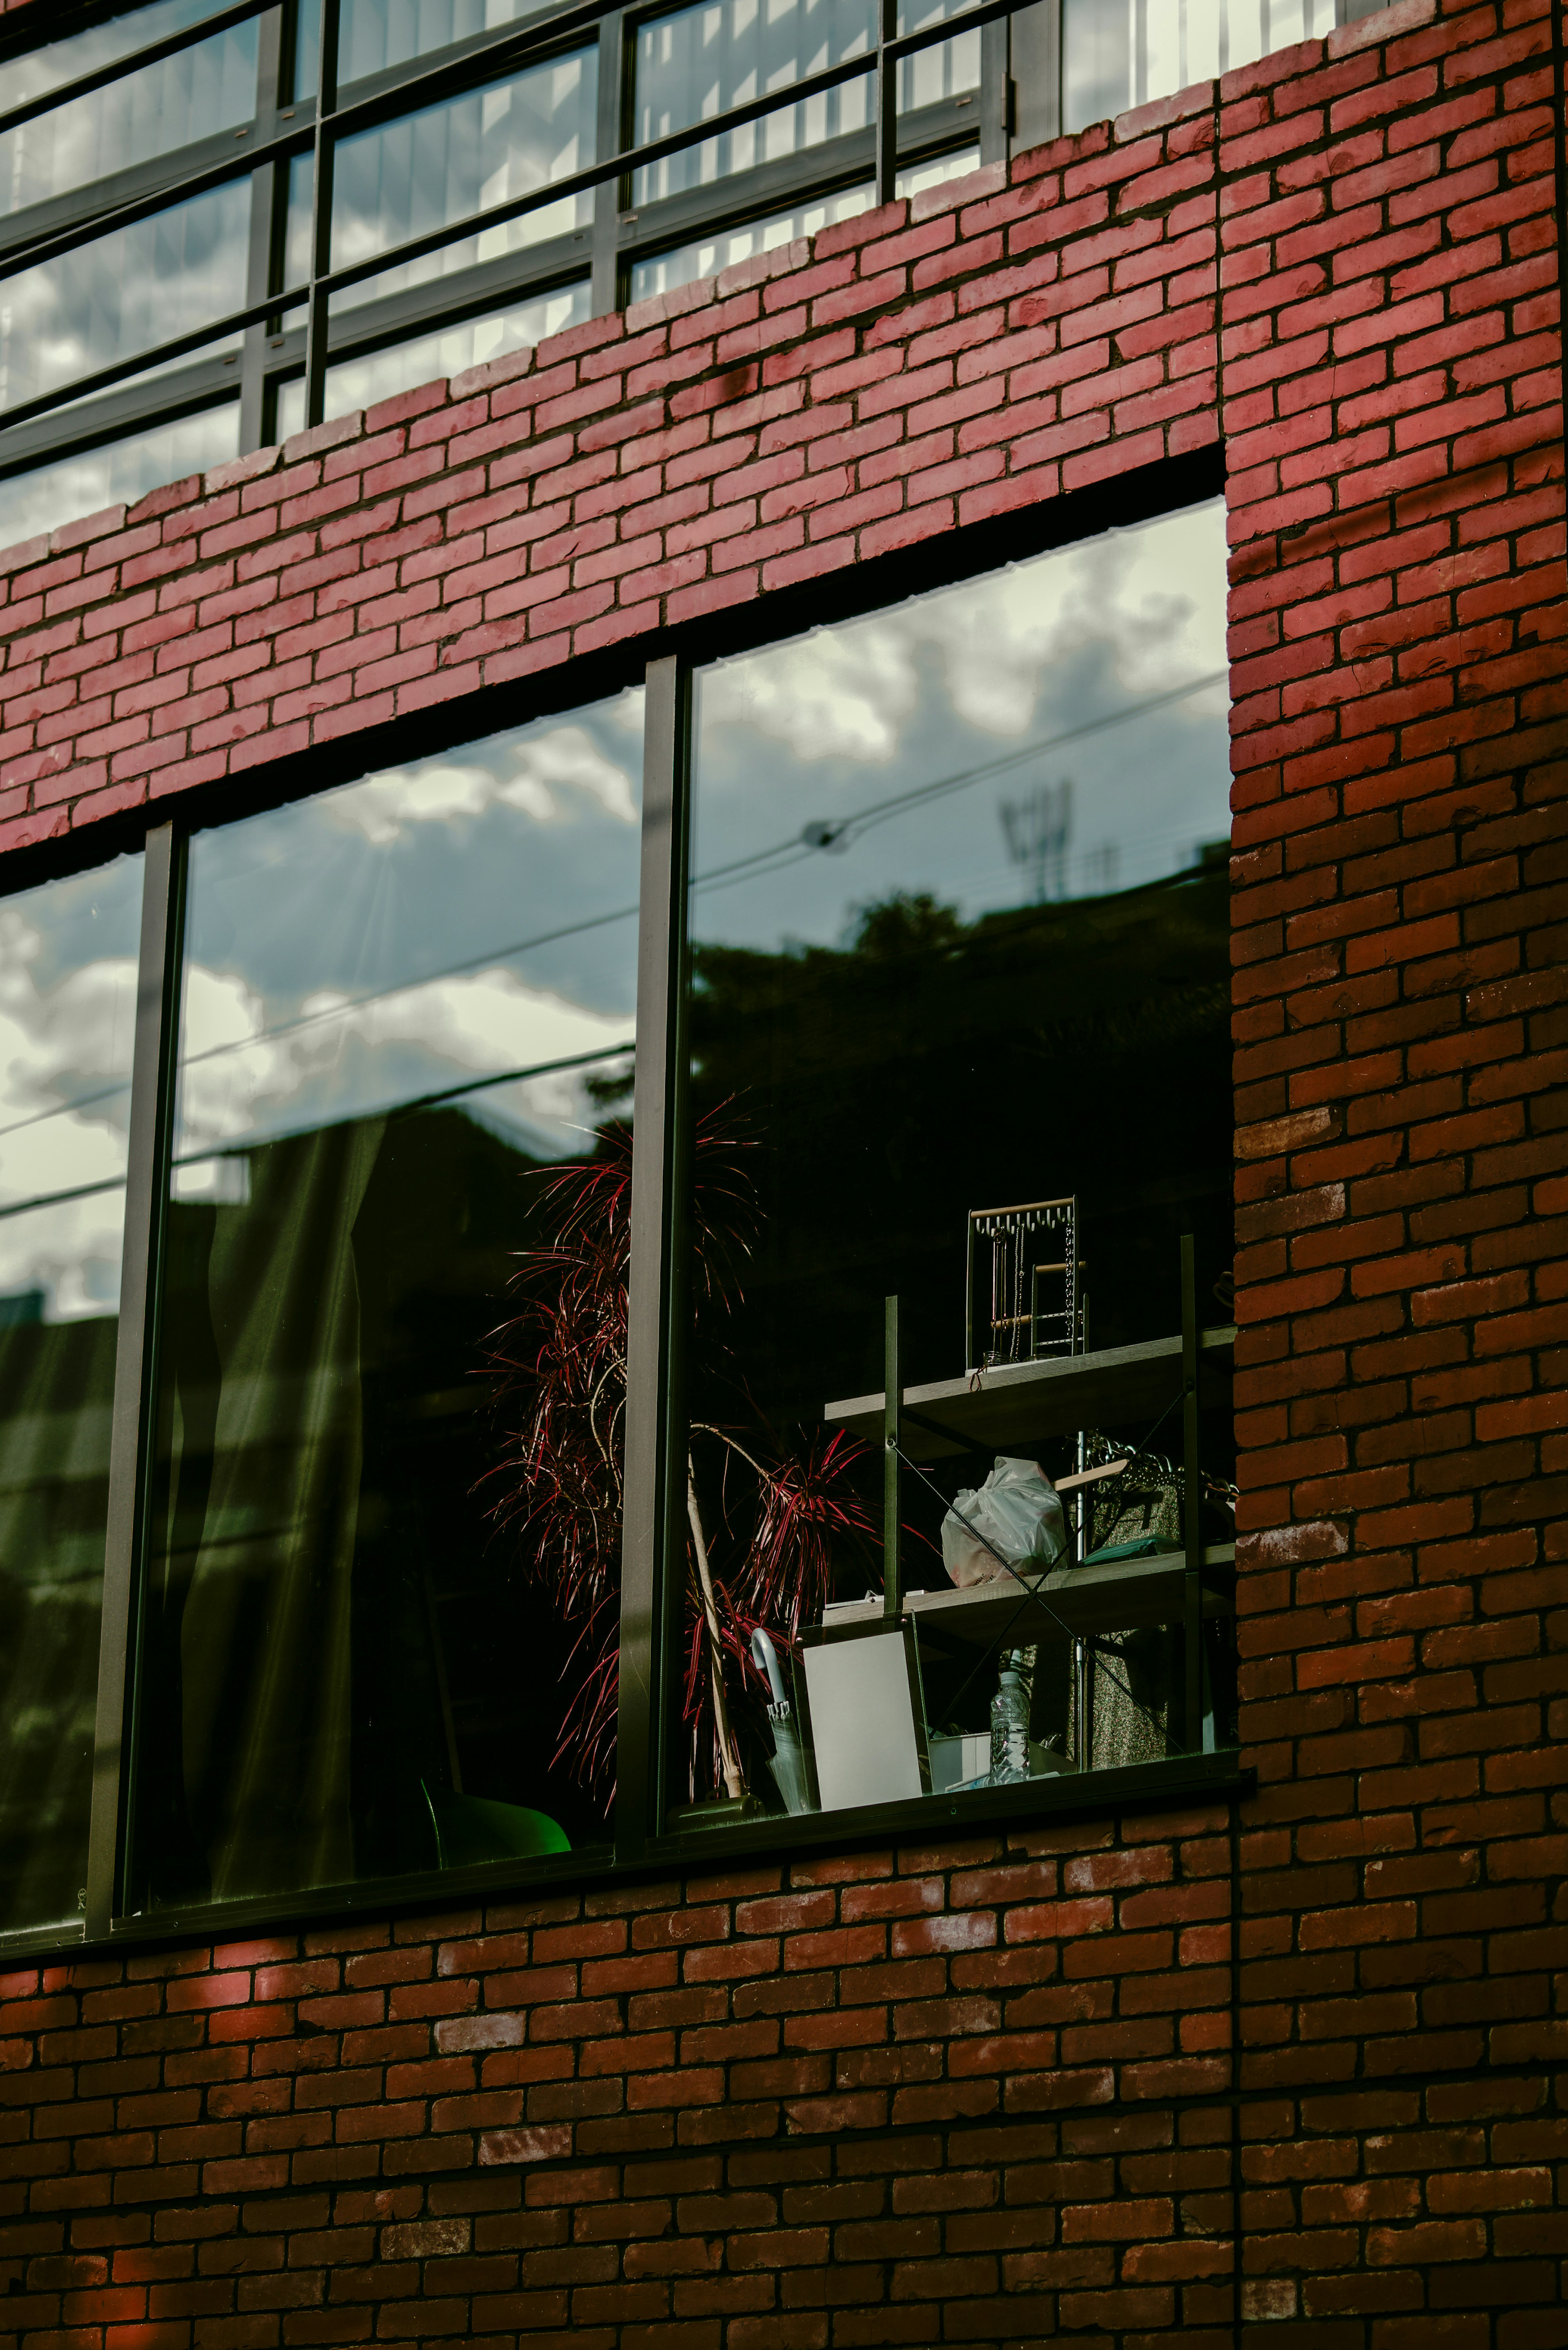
(321, 217)
(264, 192)
(651, 1494)
(613, 114)
(146, 1197)
(887, 164)
(995, 92)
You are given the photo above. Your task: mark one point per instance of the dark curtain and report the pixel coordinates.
(246, 1712)
(57, 1386)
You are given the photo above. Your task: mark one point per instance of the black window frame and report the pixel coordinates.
(286, 330)
(654, 1520)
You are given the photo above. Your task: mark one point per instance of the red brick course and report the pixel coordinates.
(981, 2091)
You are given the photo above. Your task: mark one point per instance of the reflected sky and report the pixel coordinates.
(1057, 728)
(1122, 53)
(67, 1010)
(206, 88)
(471, 342)
(699, 61)
(118, 473)
(468, 915)
(125, 293)
(376, 34)
(445, 161)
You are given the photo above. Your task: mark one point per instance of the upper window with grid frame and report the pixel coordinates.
(206, 88)
(93, 408)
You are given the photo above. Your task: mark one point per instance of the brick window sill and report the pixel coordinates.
(1145, 1786)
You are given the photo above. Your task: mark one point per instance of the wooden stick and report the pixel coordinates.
(1088, 1476)
(735, 1784)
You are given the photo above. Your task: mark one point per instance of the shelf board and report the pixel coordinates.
(1125, 1594)
(1018, 1403)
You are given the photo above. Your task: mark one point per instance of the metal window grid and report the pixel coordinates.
(287, 329)
(653, 1529)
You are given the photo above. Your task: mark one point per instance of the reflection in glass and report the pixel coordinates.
(116, 474)
(704, 60)
(398, 1002)
(410, 176)
(1122, 53)
(209, 86)
(68, 1006)
(708, 255)
(125, 293)
(958, 940)
(375, 35)
(360, 382)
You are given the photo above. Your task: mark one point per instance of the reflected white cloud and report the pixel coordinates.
(61, 1262)
(67, 1008)
(537, 774)
(1055, 729)
(240, 1083)
(1146, 606)
(434, 924)
(58, 1044)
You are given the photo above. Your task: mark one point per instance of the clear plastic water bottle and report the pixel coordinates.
(1009, 1725)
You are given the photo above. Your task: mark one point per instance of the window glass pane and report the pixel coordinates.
(1122, 53)
(125, 293)
(708, 255)
(377, 34)
(209, 86)
(360, 382)
(67, 1009)
(959, 939)
(400, 1003)
(721, 53)
(409, 176)
(116, 474)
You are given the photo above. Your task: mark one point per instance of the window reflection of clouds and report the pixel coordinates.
(856, 714)
(208, 87)
(68, 1009)
(124, 293)
(433, 924)
(447, 161)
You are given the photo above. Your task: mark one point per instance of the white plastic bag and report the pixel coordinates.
(1017, 1512)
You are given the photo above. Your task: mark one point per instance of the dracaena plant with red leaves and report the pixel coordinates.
(763, 1518)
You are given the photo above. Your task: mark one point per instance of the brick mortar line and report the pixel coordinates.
(1543, 2073)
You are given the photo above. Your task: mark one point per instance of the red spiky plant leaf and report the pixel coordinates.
(771, 1515)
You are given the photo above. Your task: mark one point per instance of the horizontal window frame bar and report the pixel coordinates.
(121, 68)
(674, 143)
(468, 294)
(103, 199)
(174, 175)
(161, 399)
(166, 197)
(541, 43)
(235, 323)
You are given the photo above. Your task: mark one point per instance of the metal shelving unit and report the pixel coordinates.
(1025, 1403)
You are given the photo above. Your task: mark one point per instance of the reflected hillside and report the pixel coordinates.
(932, 1066)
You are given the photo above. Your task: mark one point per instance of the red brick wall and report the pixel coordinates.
(969, 2093)
(902, 2101)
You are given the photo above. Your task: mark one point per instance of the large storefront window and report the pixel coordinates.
(481, 1477)
(958, 1036)
(398, 1004)
(67, 1009)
